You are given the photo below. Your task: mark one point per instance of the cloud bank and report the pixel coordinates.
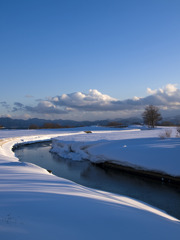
(96, 105)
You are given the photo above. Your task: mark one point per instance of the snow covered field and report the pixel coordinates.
(37, 205)
(140, 149)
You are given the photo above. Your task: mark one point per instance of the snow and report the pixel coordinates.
(37, 205)
(140, 149)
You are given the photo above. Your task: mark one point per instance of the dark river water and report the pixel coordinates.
(160, 195)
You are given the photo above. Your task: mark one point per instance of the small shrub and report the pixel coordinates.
(178, 132)
(87, 131)
(166, 134)
(178, 129)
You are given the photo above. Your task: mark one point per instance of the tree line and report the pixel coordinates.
(47, 125)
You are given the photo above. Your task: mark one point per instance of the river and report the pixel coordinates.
(163, 196)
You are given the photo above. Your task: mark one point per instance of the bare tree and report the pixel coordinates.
(151, 115)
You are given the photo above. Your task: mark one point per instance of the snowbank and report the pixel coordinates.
(38, 205)
(142, 150)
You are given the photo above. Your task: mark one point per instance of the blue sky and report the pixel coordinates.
(119, 48)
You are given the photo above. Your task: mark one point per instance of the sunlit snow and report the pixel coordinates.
(37, 205)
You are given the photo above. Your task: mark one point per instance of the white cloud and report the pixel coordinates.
(95, 101)
(136, 98)
(169, 89)
(79, 99)
(96, 95)
(96, 105)
(150, 91)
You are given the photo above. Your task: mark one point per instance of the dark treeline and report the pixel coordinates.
(47, 125)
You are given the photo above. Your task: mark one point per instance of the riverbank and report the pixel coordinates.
(160, 194)
(134, 150)
(164, 178)
(38, 205)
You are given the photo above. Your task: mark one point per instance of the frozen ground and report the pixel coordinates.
(37, 205)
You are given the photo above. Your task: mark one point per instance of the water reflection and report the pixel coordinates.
(163, 196)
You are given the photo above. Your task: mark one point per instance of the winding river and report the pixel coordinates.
(160, 195)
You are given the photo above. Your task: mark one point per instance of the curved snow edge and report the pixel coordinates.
(7, 155)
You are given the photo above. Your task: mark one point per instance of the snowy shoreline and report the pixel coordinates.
(165, 178)
(38, 205)
(133, 150)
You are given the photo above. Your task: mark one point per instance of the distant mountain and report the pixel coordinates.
(25, 124)
(128, 121)
(175, 120)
